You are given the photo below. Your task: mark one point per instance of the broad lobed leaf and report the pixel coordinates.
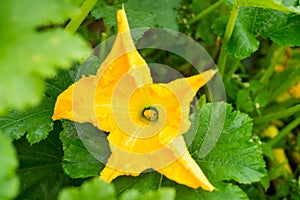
(272, 4)
(281, 5)
(160, 194)
(9, 181)
(145, 182)
(141, 13)
(226, 191)
(93, 189)
(40, 170)
(97, 189)
(235, 156)
(255, 22)
(78, 161)
(36, 121)
(34, 54)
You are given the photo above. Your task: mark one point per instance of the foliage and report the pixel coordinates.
(96, 189)
(32, 50)
(253, 22)
(77, 161)
(9, 181)
(162, 14)
(40, 169)
(256, 47)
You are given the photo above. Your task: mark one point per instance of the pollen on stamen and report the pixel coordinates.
(150, 113)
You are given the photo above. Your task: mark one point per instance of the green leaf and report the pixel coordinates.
(270, 4)
(285, 31)
(267, 151)
(98, 189)
(265, 182)
(281, 5)
(40, 168)
(254, 192)
(143, 183)
(131, 195)
(36, 121)
(30, 52)
(93, 189)
(213, 129)
(244, 101)
(242, 42)
(85, 150)
(37, 16)
(160, 194)
(141, 13)
(226, 191)
(278, 170)
(9, 182)
(235, 156)
(253, 22)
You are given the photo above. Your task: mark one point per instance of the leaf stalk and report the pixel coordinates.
(227, 36)
(285, 131)
(75, 22)
(205, 12)
(281, 114)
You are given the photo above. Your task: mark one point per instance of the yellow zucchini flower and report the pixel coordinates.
(145, 121)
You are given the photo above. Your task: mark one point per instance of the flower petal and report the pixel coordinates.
(185, 170)
(132, 156)
(123, 63)
(123, 58)
(185, 90)
(193, 82)
(108, 174)
(77, 102)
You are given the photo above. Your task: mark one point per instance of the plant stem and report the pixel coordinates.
(227, 36)
(78, 19)
(280, 114)
(205, 12)
(234, 67)
(285, 131)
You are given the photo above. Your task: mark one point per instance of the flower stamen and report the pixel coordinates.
(150, 113)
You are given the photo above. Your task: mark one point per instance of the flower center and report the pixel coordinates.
(150, 113)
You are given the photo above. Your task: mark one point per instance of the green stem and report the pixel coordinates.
(78, 19)
(205, 12)
(285, 131)
(227, 36)
(235, 66)
(274, 62)
(278, 115)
